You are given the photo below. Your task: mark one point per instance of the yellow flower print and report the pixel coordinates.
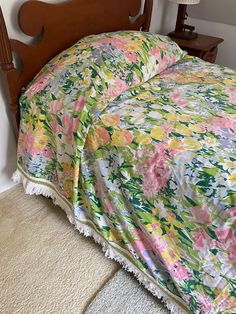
(174, 144)
(87, 72)
(92, 92)
(41, 142)
(158, 134)
(188, 79)
(72, 50)
(209, 141)
(134, 46)
(171, 254)
(155, 211)
(230, 81)
(67, 170)
(70, 60)
(144, 139)
(225, 295)
(155, 226)
(191, 144)
(211, 80)
(227, 82)
(233, 177)
(85, 82)
(171, 116)
(68, 188)
(114, 235)
(99, 137)
(229, 164)
(34, 111)
(110, 75)
(197, 128)
(122, 138)
(92, 142)
(76, 177)
(39, 128)
(172, 220)
(41, 117)
(184, 130)
(184, 118)
(200, 74)
(110, 119)
(142, 95)
(85, 54)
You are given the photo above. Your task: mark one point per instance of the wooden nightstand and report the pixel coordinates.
(204, 47)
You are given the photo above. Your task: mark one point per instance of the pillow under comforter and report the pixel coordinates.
(144, 163)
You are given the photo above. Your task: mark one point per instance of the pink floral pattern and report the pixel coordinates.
(140, 141)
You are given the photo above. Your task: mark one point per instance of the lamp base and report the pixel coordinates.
(187, 35)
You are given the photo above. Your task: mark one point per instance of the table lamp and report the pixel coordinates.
(183, 30)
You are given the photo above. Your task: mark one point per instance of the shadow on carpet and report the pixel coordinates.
(124, 295)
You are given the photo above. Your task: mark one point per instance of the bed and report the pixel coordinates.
(134, 139)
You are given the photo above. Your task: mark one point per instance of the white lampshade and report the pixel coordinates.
(186, 1)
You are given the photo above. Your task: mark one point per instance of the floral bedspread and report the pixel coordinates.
(151, 168)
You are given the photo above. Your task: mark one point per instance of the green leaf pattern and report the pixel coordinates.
(141, 141)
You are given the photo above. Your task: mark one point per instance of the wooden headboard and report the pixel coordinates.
(57, 27)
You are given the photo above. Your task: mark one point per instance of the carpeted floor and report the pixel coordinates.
(46, 266)
(124, 295)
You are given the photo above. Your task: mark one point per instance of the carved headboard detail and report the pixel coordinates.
(59, 26)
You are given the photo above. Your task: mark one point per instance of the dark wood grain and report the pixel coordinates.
(203, 42)
(59, 26)
(180, 18)
(10, 75)
(204, 47)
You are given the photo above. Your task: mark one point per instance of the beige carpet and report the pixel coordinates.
(132, 298)
(46, 266)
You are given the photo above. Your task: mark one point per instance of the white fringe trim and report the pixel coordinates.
(40, 189)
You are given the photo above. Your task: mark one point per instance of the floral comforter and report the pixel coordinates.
(149, 169)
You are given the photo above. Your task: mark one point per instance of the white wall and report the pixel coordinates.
(8, 144)
(7, 149)
(227, 50)
(219, 22)
(163, 16)
(214, 10)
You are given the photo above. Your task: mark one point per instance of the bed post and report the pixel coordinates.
(10, 74)
(148, 15)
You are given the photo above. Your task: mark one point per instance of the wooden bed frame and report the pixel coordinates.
(58, 26)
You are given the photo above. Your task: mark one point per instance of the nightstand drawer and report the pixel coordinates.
(210, 55)
(204, 47)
